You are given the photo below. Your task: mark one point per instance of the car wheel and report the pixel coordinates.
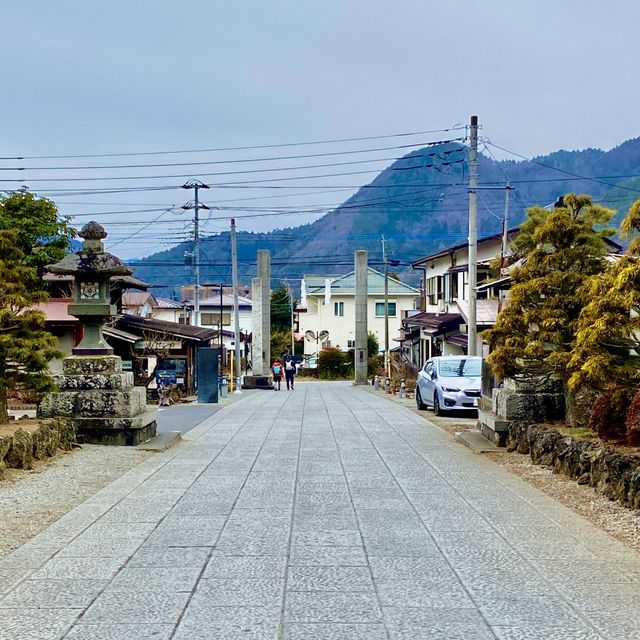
(436, 405)
(421, 405)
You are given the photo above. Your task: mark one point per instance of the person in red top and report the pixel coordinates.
(276, 371)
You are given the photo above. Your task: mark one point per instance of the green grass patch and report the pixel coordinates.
(579, 433)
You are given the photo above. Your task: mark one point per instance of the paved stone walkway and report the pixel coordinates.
(326, 513)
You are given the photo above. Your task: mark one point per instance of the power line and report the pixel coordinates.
(569, 173)
(223, 173)
(234, 161)
(243, 148)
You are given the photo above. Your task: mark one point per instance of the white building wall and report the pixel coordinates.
(169, 315)
(321, 317)
(438, 267)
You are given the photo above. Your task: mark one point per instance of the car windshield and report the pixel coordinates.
(459, 368)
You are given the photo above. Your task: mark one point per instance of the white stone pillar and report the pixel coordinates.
(256, 322)
(360, 355)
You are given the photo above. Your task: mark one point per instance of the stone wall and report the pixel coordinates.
(613, 474)
(18, 451)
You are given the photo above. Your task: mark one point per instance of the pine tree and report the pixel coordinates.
(558, 250)
(280, 309)
(25, 347)
(607, 342)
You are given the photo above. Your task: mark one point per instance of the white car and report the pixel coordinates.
(449, 383)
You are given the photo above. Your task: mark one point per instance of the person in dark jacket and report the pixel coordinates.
(289, 372)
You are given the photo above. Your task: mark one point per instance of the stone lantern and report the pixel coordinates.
(92, 269)
(95, 394)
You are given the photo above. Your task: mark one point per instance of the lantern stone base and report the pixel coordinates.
(101, 401)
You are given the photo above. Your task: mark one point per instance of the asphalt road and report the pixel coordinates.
(184, 417)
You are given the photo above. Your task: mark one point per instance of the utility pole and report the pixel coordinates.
(387, 364)
(196, 185)
(505, 226)
(473, 237)
(293, 344)
(236, 307)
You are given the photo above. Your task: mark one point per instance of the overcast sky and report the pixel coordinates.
(119, 76)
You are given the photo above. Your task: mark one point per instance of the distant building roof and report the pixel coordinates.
(165, 303)
(227, 301)
(345, 285)
(137, 298)
(614, 246)
(434, 323)
(458, 247)
(199, 334)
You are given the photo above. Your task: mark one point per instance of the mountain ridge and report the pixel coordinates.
(419, 203)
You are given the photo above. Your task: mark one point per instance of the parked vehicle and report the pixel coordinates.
(310, 362)
(449, 383)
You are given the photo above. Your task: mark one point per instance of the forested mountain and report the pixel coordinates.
(419, 204)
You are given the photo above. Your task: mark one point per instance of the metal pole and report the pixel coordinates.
(220, 322)
(293, 345)
(387, 363)
(196, 259)
(473, 237)
(236, 306)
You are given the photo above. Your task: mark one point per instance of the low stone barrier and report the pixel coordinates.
(613, 474)
(18, 450)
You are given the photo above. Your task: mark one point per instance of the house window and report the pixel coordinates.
(213, 319)
(435, 289)
(380, 309)
(338, 308)
(351, 344)
(453, 290)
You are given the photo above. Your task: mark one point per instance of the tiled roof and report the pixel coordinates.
(137, 298)
(434, 323)
(199, 334)
(165, 303)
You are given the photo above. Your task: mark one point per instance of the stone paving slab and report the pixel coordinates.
(326, 513)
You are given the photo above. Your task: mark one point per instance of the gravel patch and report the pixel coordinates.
(32, 500)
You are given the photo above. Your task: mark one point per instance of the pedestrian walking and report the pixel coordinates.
(276, 372)
(289, 372)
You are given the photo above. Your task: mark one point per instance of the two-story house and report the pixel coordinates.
(329, 316)
(440, 327)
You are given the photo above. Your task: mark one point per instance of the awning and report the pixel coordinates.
(460, 340)
(502, 283)
(433, 324)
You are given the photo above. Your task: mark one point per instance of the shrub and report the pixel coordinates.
(599, 417)
(375, 365)
(633, 422)
(608, 413)
(332, 364)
